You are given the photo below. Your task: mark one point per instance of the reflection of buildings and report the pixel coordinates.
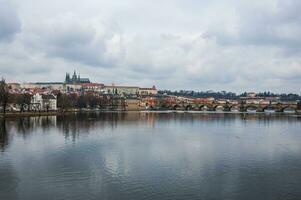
(3, 135)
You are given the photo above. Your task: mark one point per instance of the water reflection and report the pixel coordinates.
(151, 156)
(3, 135)
(74, 124)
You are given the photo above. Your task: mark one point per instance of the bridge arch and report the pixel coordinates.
(268, 108)
(203, 107)
(251, 108)
(175, 107)
(234, 108)
(218, 108)
(200, 107)
(288, 109)
(188, 107)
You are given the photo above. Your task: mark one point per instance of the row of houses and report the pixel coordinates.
(86, 87)
(37, 102)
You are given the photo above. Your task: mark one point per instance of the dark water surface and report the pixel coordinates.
(151, 156)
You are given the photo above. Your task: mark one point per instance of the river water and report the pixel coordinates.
(149, 156)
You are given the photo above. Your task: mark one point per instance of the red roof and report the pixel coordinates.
(91, 84)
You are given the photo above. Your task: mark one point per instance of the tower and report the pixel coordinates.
(67, 78)
(74, 77)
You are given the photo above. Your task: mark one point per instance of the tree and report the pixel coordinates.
(63, 101)
(81, 102)
(4, 95)
(24, 100)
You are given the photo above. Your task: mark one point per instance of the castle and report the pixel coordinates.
(75, 79)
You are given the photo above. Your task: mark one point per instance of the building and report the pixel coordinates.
(132, 104)
(92, 87)
(121, 90)
(149, 102)
(73, 87)
(203, 100)
(44, 85)
(14, 86)
(75, 79)
(43, 102)
(251, 94)
(148, 91)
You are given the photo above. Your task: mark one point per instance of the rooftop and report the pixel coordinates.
(92, 84)
(116, 86)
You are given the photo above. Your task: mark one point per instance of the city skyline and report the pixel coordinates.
(248, 46)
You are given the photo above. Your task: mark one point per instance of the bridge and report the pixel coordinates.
(234, 107)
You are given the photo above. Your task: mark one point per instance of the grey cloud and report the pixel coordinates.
(9, 21)
(218, 44)
(277, 23)
(68, 37)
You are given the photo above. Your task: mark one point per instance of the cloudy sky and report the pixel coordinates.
(245, 45)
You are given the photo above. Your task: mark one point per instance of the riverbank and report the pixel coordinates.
(59, 112)
(54, 113)
(29, 114)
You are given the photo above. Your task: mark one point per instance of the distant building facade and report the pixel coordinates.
(129, 90)
(121, 90)
(148, 91)
(14, 86)
(92, 87)
(132, 104)
(44, 85)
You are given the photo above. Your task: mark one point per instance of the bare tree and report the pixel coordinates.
(4, 95)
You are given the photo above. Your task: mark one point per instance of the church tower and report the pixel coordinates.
(74, 77)
(67, 78)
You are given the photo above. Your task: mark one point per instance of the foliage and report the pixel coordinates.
(87, 100)
(4, 95)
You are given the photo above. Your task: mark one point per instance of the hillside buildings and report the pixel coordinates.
(43, 95)
(76, 84)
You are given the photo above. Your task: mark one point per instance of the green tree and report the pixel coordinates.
(81, 102)
(63, 101)
(4, 95)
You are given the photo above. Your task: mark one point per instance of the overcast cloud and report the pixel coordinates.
(246, 45)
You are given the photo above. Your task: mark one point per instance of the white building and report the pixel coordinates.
(43, 85)
(44, 102)
(121, 90)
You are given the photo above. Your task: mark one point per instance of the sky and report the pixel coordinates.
(245, 45)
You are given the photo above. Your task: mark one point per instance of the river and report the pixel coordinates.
(150, 155)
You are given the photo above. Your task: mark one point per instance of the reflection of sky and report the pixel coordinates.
(151, 156)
